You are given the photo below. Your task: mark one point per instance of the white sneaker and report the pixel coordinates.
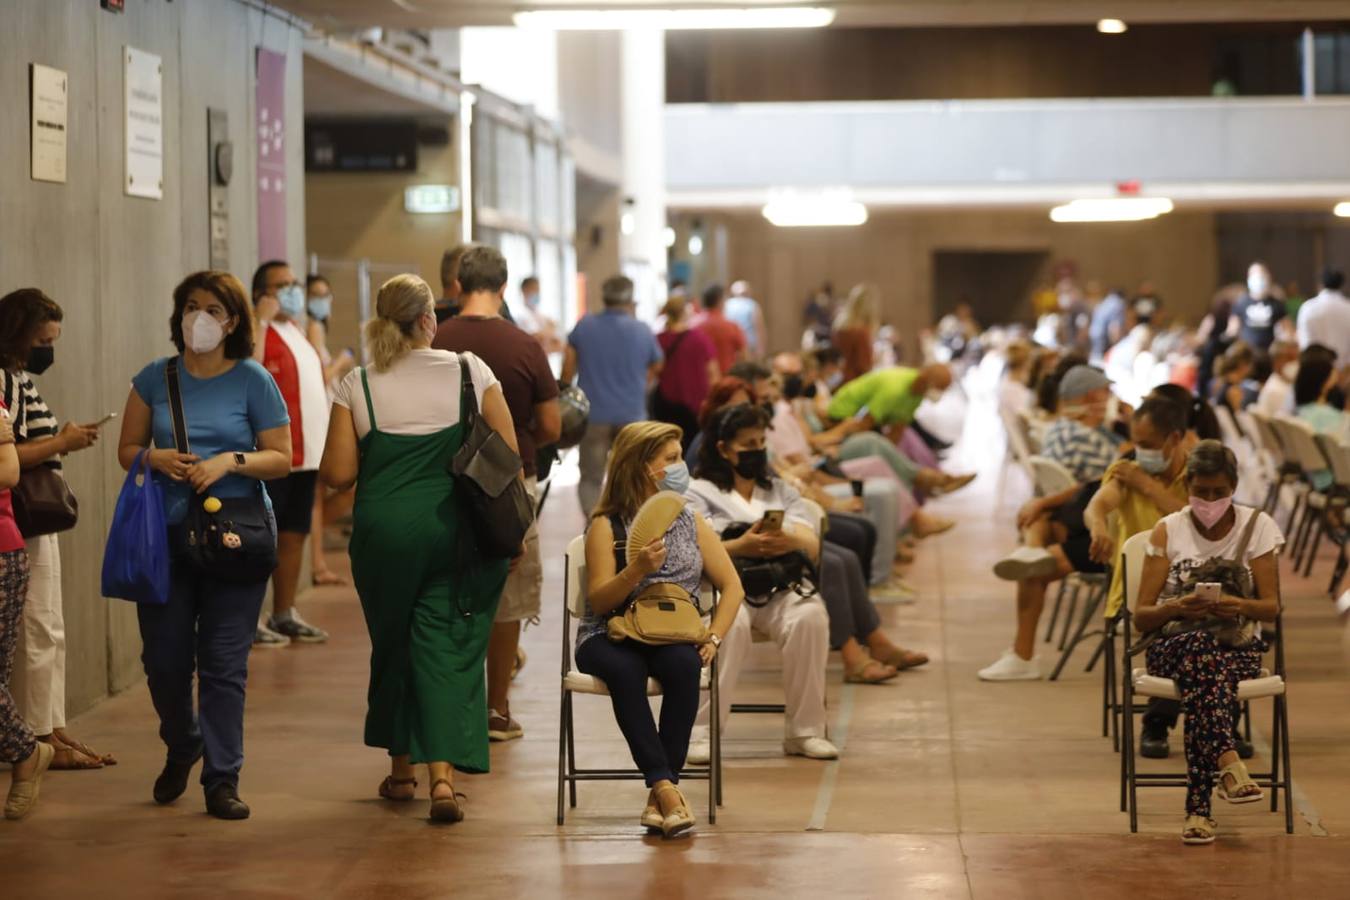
(1011, 667)
(811, 748)
(1026, 562)
(894, 590)
(700, 754)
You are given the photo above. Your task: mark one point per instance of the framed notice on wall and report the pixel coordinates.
(144, 124)
(48, 109)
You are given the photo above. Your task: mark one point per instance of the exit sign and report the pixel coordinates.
(113, 5)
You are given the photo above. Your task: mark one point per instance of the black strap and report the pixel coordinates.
(468, 400)
(620, 543)
(180, 433)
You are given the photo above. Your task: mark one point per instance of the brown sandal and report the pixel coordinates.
(859, 673)
(904, 659)
(446, 809)
(103, 759)
(390, 782)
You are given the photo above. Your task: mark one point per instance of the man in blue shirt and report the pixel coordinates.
(617, 358)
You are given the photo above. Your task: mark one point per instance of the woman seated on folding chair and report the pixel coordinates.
(1207, 639)
(646, 459)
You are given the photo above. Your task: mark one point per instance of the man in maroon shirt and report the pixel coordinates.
(531, 392)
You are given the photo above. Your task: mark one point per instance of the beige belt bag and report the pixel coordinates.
(663, 613)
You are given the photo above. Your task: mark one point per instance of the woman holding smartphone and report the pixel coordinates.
(1196, 620)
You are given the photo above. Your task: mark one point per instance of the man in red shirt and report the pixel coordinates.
(726, 335)
(517, 359)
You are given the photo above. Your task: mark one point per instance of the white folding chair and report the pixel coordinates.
(1251, 476)
(1334, 524)
(575, 682)
(1138, 683)
(1286, 473)
(1050, 476)
(1300, 445)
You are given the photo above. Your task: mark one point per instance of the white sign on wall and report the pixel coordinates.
(49, 105)
(144, 124)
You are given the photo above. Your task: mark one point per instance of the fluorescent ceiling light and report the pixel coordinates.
(1112, 26)
(1343, 209)
(675, 19)
(824, 210)
(1112, 209)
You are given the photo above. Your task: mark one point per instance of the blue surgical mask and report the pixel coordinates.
(676, 478)
(1154, 462)
(292, 300)
(321, 307)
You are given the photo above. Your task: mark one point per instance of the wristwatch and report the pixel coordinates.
(240, 461)
(715, 640)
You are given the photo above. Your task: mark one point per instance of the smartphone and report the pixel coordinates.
(105, 420)
(857, 487)
(1208, 590)
(772, 521)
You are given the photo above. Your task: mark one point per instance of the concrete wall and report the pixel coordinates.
(895, 251)
(112, 261)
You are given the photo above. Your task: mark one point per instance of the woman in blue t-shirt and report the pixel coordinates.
(239, 432)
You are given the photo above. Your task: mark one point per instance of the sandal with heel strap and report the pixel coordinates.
(1244, 790)
(1198, 830)
(390, 782)
(652, 818)
(679, 818)
(446, 809)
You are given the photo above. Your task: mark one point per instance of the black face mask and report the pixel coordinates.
(752, 464)
(40, 359)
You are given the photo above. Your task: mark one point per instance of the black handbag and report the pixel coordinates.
(236, 542)
(764, 578)
(43, 501)
(486, 472)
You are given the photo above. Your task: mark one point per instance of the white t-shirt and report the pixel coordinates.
(1187, 549)
(417, 395)
(1276, 397)
(1325, 320)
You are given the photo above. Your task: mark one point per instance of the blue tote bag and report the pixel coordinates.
(136, 559)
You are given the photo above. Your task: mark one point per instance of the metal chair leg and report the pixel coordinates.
(1054, 613)
(1288, 765)
(1275, 757)
(571, 759)
(1070, 611)
(564, 711)
(1319, 529)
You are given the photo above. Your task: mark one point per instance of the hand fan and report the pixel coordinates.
(653, 520)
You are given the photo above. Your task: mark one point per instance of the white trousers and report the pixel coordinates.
(801, 629)
(40, 659)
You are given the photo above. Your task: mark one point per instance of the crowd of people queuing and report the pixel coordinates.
(806, 477)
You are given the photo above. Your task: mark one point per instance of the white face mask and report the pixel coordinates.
(201, 332)
(1257, 285)
(1289, 371)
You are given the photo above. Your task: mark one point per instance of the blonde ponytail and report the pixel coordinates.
(402, 302)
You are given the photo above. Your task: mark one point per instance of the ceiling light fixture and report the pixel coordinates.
(1112, 209)
(1343, 209)
(1112, 26)
(830, 209)
(675, 19)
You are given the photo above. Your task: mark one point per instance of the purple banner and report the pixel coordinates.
(271, 132)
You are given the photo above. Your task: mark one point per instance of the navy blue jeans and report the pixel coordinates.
(625, 668)
(206, 627)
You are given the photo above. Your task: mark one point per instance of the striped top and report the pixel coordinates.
(32, 419)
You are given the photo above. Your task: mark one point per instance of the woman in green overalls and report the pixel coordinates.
(429, 600)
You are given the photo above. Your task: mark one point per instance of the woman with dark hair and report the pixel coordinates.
(690, 369)
(239, 436)
(1235, 366)
(319, 307)
(30, 326)
(1201, 422)
(734, 487)
(1207, 643)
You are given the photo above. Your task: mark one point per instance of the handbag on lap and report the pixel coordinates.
(663, 612)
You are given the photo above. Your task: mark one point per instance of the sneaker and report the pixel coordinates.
(1026, 562)
(266, 637)
(297, 629)
(700, 754)
(811, 748)
(503, 728)
(894, 590)
(1011, 667)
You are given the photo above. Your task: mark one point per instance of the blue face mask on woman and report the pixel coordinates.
(1154, 462)
(675, 478)
(292, 300)
(321, 307)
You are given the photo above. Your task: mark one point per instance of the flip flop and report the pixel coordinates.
(67, 759)
(903, 659)
(858, 674)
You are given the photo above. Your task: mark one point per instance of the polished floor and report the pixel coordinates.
(947, 787)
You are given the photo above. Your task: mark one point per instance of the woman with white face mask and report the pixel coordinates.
(239, 435)
(1209, 640)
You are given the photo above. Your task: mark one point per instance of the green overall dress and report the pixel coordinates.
(429, 602)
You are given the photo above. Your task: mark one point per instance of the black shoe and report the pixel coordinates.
(1244, 747)
(1153, 744)
(171, 783)
(222, 801)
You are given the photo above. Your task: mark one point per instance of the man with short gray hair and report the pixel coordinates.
(617, 359)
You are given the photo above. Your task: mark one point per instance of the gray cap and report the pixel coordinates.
(1081, 380)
